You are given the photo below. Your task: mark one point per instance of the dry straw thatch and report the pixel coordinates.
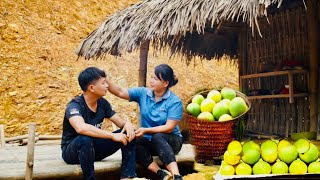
(171, 22)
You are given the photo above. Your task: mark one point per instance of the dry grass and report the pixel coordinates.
(39, 68)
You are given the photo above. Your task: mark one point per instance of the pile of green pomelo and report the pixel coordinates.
(220, 106)
(271, 157)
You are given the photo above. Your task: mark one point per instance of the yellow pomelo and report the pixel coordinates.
(243, 169)
(231, 159)
(261, 167)
(225, 117)
(283, 143)
(205, 116)
(269, 151)
(279, 167)
(207, 105)
(234, 147)
(227, 169)
(298, 167)
(314, 167)
(214, 95)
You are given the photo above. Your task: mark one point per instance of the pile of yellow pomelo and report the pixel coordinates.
(271, 157)
(221, 106)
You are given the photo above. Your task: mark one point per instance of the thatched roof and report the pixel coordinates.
(176, 23)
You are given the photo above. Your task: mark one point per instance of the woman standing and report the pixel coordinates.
(161, 111)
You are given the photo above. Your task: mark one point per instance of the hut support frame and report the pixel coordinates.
(313, 31)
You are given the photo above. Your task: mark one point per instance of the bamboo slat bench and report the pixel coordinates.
(49, 164)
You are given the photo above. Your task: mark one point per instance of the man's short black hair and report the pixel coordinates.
(89, 76)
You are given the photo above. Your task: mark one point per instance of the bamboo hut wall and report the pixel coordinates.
(284, 38)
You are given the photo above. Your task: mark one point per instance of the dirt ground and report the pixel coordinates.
(39, 68)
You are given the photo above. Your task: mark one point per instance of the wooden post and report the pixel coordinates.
(313, 38)
(144, 49)
(142, 81)
(30, 152)
(3, 142)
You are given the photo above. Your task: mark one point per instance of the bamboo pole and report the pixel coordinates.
(3, 142)
(313, 38)
(30, 152)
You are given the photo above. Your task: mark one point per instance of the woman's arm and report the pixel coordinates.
(167, 128)
(117, 90)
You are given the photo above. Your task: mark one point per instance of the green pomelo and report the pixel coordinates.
(228, 93)
(261, 167)
(227, 169)
(250, 145)
(197, 99)
(288, 154)
(311, 155)
(234, 147)
(298, 167)
(237, 107)
(302, 145)
(206, 116)
(227, 101)
(269, 151)
(283, 143)
(225, 117)
(214, 95)
(231, 159)
(194, 109)
(207, 105)
(314, 167)
(251, 156)
(243, 169)
(219, 109)
(279, 167)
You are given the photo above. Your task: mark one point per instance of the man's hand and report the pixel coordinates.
(120, 137)
(129, 129)
(140, 132)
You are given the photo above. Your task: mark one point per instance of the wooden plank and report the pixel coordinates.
(52, 166)
(3, 142)
(277, 96)
(30, 152)
(274, 73)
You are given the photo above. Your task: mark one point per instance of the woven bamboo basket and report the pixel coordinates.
(212, 138)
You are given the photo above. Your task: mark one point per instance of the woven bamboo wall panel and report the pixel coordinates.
(284, 39)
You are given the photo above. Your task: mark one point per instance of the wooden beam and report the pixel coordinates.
(313, 38)
(142, 81)
(144, 49)
(25, 136)
(3, 142)
(30, 152)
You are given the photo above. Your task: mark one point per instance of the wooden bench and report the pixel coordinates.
(48, 162)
